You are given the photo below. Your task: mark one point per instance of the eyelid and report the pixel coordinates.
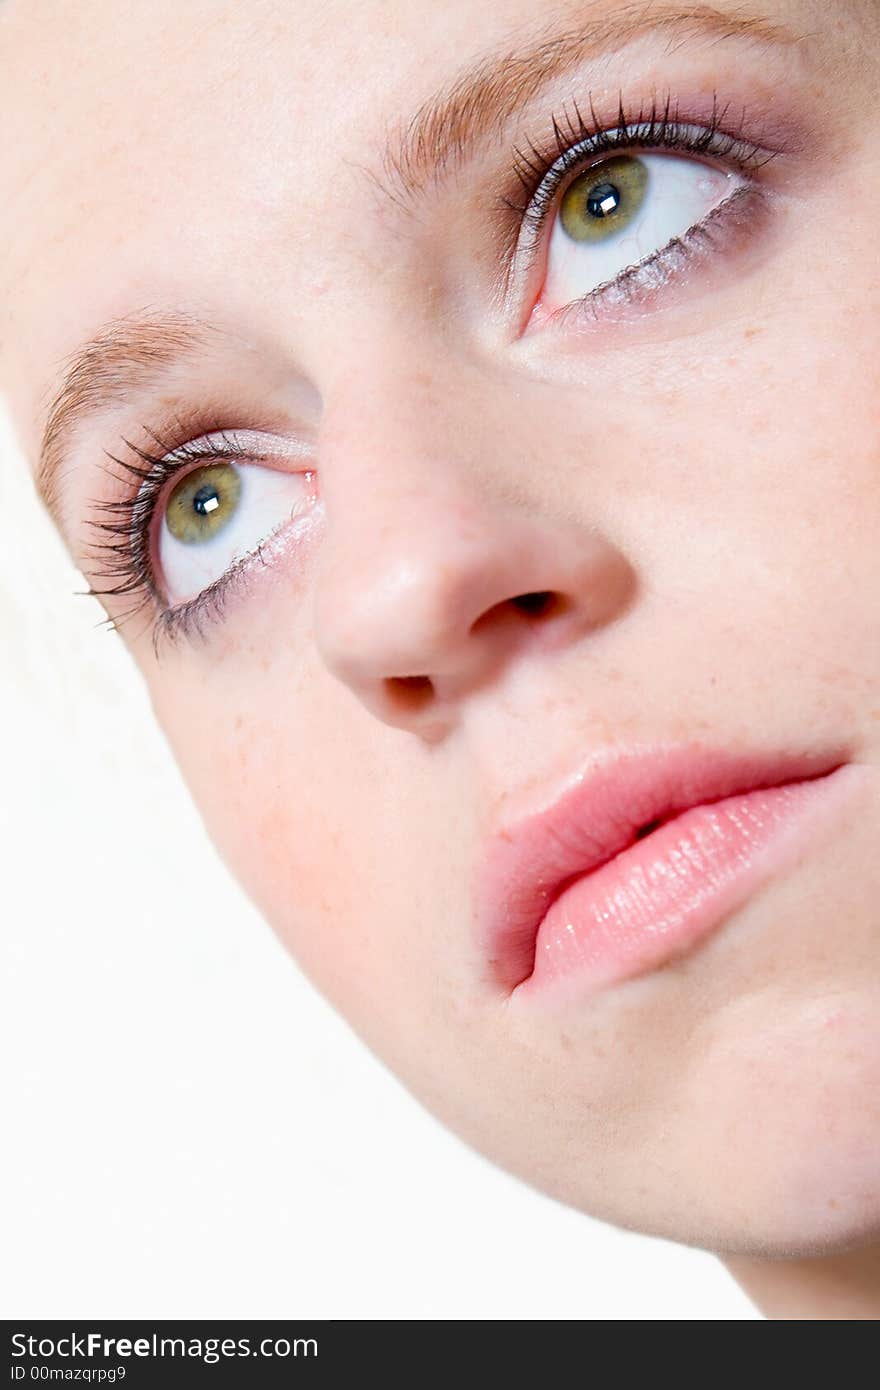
(576, 161)
(250, 444)
(743, 212)
(126, 522)
(579, 141)
(244, 447)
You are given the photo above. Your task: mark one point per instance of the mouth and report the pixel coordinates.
(640, 858)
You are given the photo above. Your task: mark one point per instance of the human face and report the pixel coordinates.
(688, 464)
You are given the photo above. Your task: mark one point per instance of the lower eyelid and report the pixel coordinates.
(193, 619)
(709, 244)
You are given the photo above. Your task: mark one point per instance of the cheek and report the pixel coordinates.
(827, 511)
(294, 791)
(772, 477)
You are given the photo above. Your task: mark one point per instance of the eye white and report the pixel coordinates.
(680, 193)
(269, 497)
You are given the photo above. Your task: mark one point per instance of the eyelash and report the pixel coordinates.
(577, 142)
(126, 525)
(123, 551)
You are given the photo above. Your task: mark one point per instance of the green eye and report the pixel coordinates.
(203, 503)
(604, 199)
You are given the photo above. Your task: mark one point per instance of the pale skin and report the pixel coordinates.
(696, 475)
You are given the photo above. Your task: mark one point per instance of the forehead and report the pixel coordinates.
(214, 151)
(149, 146)
(106, 105)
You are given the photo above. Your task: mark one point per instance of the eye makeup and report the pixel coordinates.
(580, 143)
(127, 544)
(125, 550)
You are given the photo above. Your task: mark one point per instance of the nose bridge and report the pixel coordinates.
(406, 481)
(437, 552)
(397, 437)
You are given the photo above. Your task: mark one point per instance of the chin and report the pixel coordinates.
(794, 1136)
(768, 1147)
(778, 1157)
(762, 1201)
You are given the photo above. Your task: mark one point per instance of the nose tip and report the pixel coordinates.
(441, 559)
(440, 617)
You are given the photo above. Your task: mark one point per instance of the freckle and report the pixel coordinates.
(833, 1203)
(752, 332)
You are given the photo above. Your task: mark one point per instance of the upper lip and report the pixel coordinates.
(599, 812)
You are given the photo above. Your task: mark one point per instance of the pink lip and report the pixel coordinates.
(574, 894)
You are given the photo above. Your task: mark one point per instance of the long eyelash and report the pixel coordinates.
(577, 139)
(121, 553)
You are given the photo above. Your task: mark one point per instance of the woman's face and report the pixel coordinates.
(431, 387)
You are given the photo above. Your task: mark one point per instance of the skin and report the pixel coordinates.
(707, 462)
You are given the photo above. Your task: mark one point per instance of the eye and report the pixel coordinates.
(622, 212)
(215, 515)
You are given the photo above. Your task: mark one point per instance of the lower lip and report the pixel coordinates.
(665, 893)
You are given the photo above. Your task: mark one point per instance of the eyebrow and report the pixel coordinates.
(126, 354)
(133, 351)
(445, 129)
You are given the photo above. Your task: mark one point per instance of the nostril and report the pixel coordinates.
(409, 691)
(534, 604)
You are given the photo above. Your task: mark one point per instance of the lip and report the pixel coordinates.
(627, 903)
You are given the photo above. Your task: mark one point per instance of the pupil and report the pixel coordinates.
(603, 200)
(206, 500)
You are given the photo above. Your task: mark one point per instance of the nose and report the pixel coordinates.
(444, 556)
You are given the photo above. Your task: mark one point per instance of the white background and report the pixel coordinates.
(189, 1130)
